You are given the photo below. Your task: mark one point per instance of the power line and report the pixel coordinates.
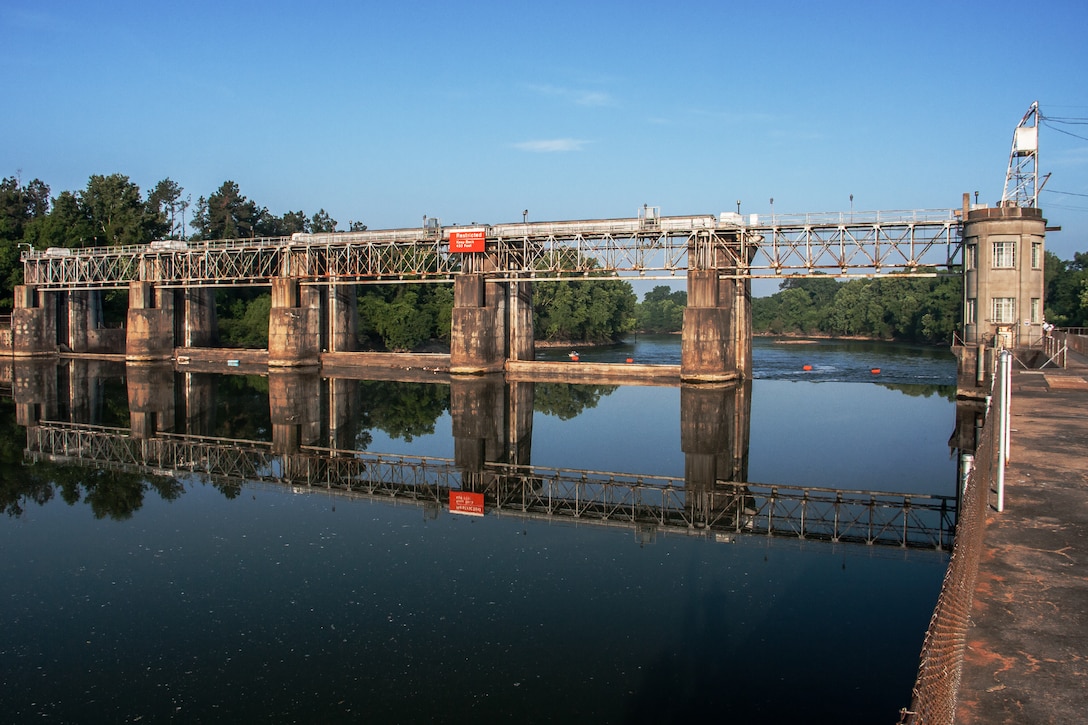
(1062, 130)
(1065, 207)
(1067, 193)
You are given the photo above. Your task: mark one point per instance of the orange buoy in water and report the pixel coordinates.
(806, 368)
(630, 359)
(875, 371)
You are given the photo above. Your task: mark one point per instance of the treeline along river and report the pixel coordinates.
(142, 594)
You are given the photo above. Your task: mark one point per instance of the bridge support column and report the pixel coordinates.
(709, 344)
(343, 318)
(478, 334)
(519, 311)
(294, 324)
(84, 315)
(150, 334)
(33, 322)
(200, 327)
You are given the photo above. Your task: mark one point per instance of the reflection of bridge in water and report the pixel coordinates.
(669, 503)
(492, 426)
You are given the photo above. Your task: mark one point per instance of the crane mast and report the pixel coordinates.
(1022, 178)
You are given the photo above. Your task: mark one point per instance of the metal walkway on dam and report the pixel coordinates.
(649, 245)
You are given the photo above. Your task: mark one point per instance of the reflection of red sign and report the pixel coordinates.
(467, 240)
(463, 502)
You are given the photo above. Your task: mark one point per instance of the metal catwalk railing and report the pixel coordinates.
(861, 244)
(870, 517)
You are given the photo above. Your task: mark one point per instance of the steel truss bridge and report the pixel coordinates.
(843, 244)
(646, 503)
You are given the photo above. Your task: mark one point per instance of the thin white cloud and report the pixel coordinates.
(551, 145)
(574, 95)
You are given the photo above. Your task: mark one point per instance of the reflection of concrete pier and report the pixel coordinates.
(197, 399)
(151, 398)
(492, 422)
(714, 425)
(294, 399)
(34, 387)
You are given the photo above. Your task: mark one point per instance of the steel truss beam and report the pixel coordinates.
(864, 244)
(866, 247)
(904, 520)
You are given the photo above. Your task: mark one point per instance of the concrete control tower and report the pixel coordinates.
(1003, 276)
(1003, 260)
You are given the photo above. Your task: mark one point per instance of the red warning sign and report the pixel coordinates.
(467, 240)
(464, 502)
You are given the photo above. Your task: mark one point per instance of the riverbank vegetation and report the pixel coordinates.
(926, 309)
(1066, 290)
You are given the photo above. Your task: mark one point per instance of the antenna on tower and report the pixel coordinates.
(1022, 178)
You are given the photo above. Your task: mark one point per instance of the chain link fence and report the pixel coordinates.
(933, 699)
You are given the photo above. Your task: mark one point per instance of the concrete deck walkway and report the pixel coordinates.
(1027, 646)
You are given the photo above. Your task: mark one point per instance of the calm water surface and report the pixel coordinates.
(140, 598)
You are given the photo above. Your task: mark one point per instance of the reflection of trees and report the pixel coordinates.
(948, 392)
(109, 493)
(242, 407)
(16, 488)
(400, 410)
(567, 400)
(114, 401)
(229, 489)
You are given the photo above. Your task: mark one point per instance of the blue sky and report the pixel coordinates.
(384, 112)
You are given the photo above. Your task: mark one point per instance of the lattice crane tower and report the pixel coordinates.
(1022, 178)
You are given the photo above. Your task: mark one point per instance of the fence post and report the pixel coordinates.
(1003, 385)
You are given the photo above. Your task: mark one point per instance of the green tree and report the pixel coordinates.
(226, 214)
(246, 325)
(322, 223)
(117, 214)
(401, 322)
(920, 309)
(583, 311)
(66, 225)
(21, 207)
(270, 225)
(1065, 282)
(165, 202)
(662, 310)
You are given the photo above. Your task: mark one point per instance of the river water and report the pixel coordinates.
(139, 594)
